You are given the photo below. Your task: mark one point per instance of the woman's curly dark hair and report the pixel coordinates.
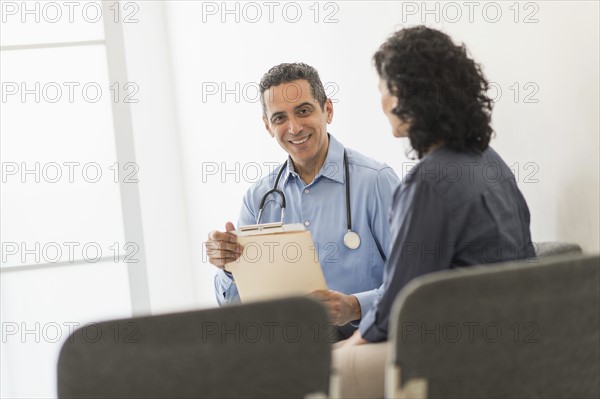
(441, 92)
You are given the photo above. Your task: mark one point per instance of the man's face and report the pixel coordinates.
(297, 122)
(388, 103)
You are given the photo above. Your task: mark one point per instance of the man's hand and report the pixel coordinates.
(355, 339)
(222, 247)
(342, 308)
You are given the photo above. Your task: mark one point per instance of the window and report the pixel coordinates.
(72, 252)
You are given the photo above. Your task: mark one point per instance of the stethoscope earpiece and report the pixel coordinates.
(351, 238)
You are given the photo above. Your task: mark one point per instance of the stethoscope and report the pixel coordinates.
(351, 238)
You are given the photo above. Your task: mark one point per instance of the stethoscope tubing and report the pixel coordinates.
(351, 239)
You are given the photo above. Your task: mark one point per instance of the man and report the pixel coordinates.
(296, 113)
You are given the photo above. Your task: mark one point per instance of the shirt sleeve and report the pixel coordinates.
(385, 185)
(420, 234)
(225, 289)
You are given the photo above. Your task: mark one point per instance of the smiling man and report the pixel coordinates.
(299, 124)
(296, 112)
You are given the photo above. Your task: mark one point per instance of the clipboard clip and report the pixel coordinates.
(269, 228)
(260, 211)
(261, 227)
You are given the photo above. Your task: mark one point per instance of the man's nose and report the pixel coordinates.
(294, 125)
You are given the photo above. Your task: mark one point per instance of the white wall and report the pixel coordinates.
(553, 143)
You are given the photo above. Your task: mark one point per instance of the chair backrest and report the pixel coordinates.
(520, 330)
(552, 248)
(275, 349)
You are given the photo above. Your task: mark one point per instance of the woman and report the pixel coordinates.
(459, 206)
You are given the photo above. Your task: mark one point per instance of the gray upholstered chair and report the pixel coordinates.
(551, 248)
(275, 349)
(521, 330)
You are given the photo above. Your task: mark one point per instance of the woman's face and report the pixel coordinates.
(388, 103)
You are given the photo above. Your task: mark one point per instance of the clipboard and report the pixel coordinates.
(278, 260)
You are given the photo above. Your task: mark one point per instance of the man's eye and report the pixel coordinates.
(277, 119)
(304, 111)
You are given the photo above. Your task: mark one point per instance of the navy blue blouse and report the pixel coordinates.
(453, 209)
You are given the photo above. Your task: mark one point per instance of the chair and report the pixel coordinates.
(521, 330)
(551, 248)
(275, 349)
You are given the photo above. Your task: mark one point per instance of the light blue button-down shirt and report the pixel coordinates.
(321, 207)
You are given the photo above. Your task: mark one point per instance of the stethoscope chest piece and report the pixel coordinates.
(352, 240)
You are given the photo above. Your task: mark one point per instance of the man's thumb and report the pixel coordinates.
(229, 226)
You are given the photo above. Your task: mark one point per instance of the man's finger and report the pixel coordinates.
(229, 227)
(222, 236)
(224, 254)
(320, 296)
(224, 258)
(230, 247)
(216, 246)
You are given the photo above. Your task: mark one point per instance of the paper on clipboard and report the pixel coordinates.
(277, 261)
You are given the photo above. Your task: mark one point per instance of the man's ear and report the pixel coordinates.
(266, 122)
(328, 106)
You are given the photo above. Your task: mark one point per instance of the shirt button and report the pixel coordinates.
(307, 223)
(306, 191)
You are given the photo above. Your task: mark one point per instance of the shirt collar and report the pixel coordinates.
(333, 168)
